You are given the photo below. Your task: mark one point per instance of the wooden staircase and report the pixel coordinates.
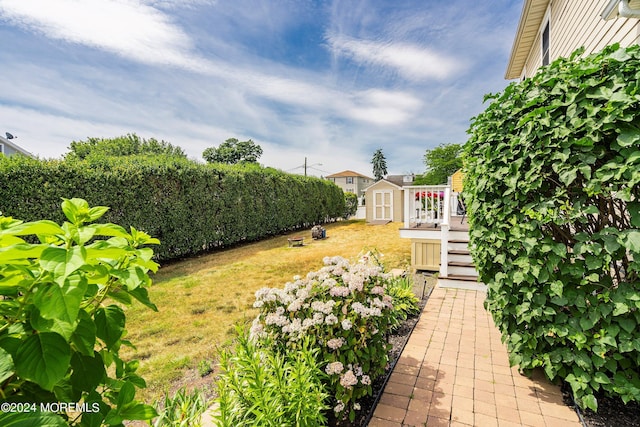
(460, 272)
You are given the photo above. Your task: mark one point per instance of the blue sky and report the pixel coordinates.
(328, 80)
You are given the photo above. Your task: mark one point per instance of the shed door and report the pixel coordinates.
(383, 205)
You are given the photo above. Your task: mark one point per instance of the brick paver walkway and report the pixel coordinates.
(455, 371)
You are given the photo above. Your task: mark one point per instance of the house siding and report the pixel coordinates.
(580, 24)
(358, 186)
(574, 24)
(9, 148)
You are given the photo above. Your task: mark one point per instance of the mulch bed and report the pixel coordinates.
(611, 412)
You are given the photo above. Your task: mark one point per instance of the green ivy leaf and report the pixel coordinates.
(628, 136)
(567, 176)
(628, 324)
(632, 241)
(43, 358)
(590, 401)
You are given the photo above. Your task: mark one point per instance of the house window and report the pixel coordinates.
(1, 148)
(349, 180)
(545, 45)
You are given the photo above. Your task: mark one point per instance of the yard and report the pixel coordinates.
(201, 299)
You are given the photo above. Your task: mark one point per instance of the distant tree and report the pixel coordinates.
(441, 163)
(127, 145)
(233, 151)
(379, 164)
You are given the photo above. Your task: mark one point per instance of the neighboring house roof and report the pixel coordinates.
(533, 12)
(347, 173)
(400, 180)
(8, 143)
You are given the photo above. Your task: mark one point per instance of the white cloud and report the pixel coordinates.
(383, 107)
(411, 61)
(128, 28)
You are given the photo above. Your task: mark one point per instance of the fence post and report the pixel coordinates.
(444, 234)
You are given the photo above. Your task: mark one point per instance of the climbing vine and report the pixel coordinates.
(552, 181)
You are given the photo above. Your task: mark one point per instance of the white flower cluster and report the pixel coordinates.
(342, 305)
(304, 304)
(350, 377)
(335, 343)
(334, 368)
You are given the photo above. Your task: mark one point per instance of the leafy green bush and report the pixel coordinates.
(259, 386)
(351, 205)
(61, 321)
(190, 207)
(552, 179)
(345, 310)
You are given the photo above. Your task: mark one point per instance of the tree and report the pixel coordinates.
(441, 163)
(127, 145)
(233, 151)
(379, 164)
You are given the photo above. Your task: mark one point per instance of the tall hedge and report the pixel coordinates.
(552, 180)
(190, 207)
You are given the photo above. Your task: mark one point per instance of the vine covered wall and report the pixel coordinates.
(552, 181)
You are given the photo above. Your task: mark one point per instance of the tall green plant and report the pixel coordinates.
(62, 324)
(261, 387)
(553, 180)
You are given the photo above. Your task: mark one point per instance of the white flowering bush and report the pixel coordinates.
(346, 310)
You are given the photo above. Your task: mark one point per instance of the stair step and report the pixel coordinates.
(463, 278)
(461, 264)
(473, 285)
(458, 252)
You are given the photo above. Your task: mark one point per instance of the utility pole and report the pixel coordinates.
(305, 166)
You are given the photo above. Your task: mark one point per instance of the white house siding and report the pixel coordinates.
(578, 23)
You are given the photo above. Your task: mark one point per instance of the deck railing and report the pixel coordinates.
(426, 205)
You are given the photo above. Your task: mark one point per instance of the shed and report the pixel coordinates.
(385, 198)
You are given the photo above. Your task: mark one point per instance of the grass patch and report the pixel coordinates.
(200, 299)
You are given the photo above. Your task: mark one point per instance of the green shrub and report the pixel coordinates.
(204, 368)
(259, 386)
(552, 180)
(405, 302)
(345, 310)
(184, 409)
(190, 207)
(351, 205)
(61, 321)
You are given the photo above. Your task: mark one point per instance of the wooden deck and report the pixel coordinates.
(457, 223)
